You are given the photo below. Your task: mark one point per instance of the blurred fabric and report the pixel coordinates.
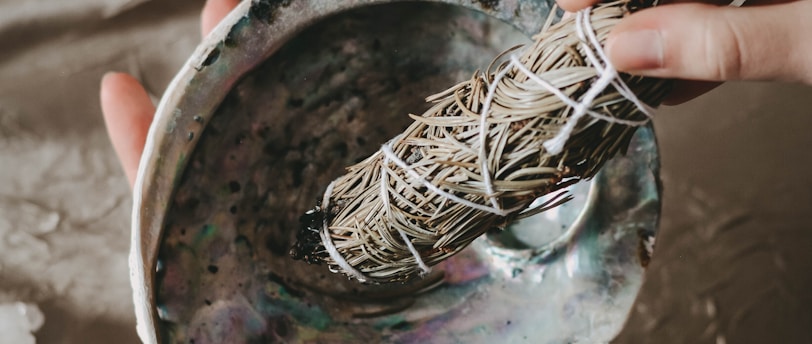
(733, 261)
(64, 201)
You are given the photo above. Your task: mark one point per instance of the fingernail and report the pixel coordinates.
(636, 50)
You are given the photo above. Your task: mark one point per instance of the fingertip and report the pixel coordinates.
(115, 83)
(123, 95)
(636, 50)
(575, 5)
(213, 12)
(107, 77)
(635, 45)
(107, 82)
(128, 113)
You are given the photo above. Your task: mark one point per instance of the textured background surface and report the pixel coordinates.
(733, 259)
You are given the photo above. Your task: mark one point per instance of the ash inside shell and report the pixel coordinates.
(308, 246)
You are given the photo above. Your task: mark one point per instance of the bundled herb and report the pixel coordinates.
(540, 118)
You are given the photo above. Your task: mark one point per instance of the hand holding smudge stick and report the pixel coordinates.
(540, 118)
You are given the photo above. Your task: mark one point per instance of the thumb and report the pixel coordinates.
(705, 42)
(128, 114)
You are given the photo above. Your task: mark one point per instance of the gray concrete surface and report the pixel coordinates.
(733, 259)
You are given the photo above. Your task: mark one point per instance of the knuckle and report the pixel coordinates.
(724, 50)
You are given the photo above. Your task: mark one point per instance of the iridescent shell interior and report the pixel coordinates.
(223, 189)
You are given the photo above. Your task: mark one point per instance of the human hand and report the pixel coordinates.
(128, 109)
(700, 43)
(703, 44)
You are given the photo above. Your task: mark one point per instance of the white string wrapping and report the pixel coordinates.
(485, 151)
(608, 75)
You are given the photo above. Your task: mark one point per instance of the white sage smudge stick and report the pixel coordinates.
(541, 117)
